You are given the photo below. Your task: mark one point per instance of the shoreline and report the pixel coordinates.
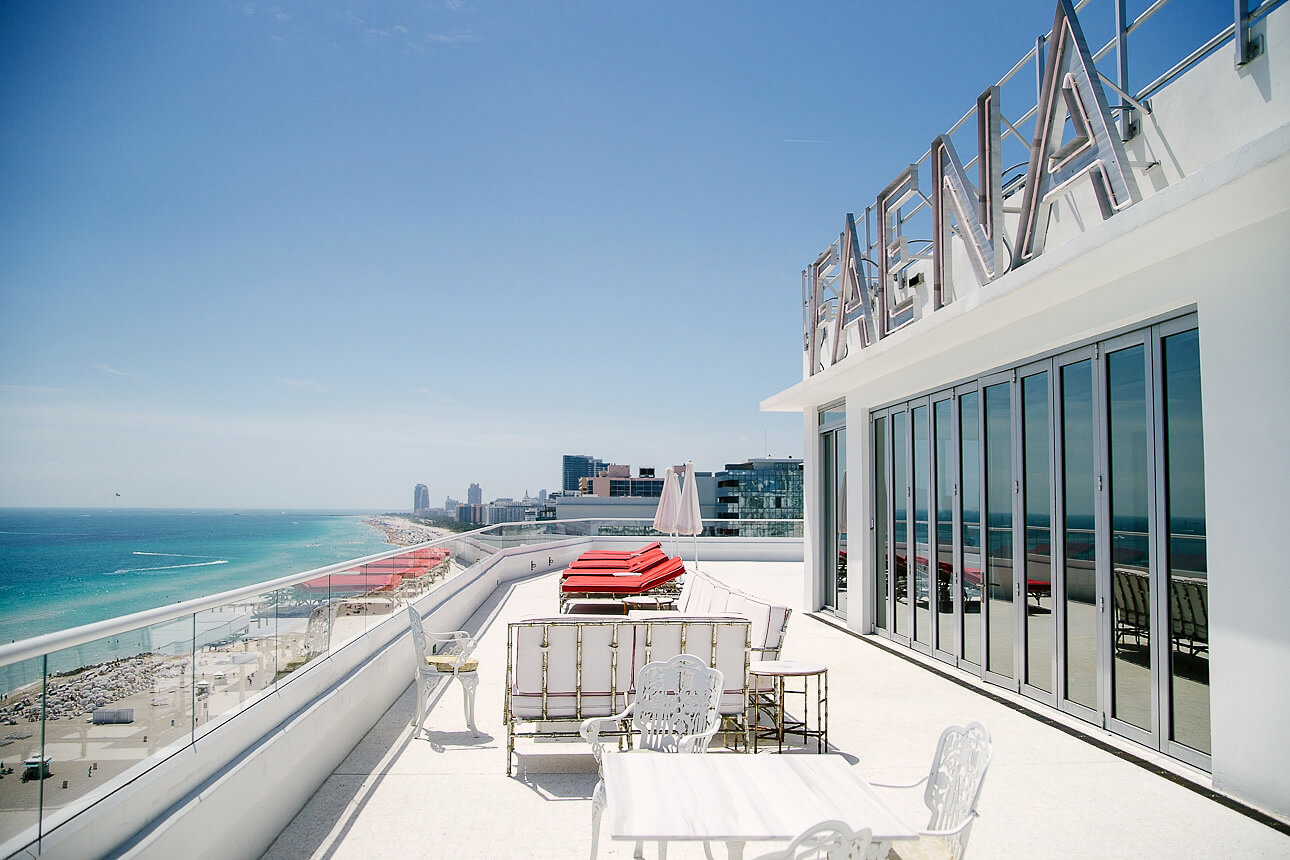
(401, 531)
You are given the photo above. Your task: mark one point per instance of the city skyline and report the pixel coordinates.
(289, 280)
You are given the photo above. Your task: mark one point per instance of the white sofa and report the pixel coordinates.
(564, 669)
(706, 595)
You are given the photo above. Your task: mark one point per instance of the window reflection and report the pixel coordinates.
(998, 493)
(903, 617)
(1036, 425)
(970, 462)
(1130, 537)
(1079, 545)
(880, 522)
(944, 445)
(1187, 562)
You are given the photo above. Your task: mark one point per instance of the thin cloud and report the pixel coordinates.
(112, 370)
(449, 38)
(33, 389)
(804, 140)
(303, 384)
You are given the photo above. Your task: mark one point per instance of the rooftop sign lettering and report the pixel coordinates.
(852, 298)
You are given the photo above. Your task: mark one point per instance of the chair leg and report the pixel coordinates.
(639, 853)
(421, 706)
(597, 810)
(469, 681)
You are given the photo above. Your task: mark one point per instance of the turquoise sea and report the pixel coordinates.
(61, 568)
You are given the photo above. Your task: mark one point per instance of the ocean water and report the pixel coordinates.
(62, 568)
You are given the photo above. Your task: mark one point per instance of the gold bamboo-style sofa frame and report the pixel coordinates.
(564, 669)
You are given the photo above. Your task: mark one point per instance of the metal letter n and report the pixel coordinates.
(978, 212)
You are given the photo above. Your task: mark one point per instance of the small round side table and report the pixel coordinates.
(771, 701)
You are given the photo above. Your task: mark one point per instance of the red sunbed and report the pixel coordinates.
(635, 564)
(608, 584)
(609, 554)
(647, 566)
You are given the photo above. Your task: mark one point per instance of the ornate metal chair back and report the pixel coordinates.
(954, 784)
(828, 840)
(418, 636)
(676, 699)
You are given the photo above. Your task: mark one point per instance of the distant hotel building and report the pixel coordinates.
(1045, 409)
(616, 480)
(759, 489)
(421, 498)
(580, 466)
(474, 495)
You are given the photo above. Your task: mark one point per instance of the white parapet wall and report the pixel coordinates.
(229, 794)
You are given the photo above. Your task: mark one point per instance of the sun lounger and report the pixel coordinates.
(636, 562)
(582, 586)
(610, 554)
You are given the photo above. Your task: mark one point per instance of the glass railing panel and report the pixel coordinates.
(236, 656)
(111, 705)
(23, 684)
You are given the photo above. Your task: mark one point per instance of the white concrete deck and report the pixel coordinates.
(1048, 794)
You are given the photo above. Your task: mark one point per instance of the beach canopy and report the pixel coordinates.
(351, 583)
(689, 520)
(669, 504)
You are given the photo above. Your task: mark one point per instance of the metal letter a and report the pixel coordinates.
(1071, 86)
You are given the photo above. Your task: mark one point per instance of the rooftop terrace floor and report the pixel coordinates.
(1047, 794)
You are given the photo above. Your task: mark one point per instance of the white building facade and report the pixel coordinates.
(1044, 411)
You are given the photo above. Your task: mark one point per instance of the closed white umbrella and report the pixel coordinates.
(690, 518)
(669, 505)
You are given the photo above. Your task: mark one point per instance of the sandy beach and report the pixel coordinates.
(401, 531)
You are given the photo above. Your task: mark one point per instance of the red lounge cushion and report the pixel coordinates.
(634, 564)
(657, 576)
(613, 553)
(647, 564)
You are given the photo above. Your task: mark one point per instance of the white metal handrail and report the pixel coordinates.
(37, 646)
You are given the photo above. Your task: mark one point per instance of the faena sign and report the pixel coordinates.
(844, 303)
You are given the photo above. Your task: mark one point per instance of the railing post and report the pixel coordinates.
(40, 765)
(1245, 50)
(1122, 67)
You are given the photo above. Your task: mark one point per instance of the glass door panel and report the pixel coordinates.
(1079, 544)
(1130, 561)
(998, 519)
(943, 438)
(829, 518)
(970, 481)
(881, 508)
(1037, 503)
(920, 456)
(840, 519)
(902, 616)
(1188, 585)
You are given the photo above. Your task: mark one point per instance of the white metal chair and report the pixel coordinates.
(440, 655)
(828, 840)
(953, 786)
(676, 710)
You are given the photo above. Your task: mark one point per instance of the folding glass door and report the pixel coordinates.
(1044, 528)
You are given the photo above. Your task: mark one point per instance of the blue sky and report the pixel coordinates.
(310, 254)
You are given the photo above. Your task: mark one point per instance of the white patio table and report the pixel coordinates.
(739, 798)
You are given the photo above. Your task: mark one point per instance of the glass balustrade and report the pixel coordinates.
(84, 717)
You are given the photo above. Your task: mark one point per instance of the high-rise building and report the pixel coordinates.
(450, 506)
(759, 489)
(580, 466)
(474, 495)
(420, 498)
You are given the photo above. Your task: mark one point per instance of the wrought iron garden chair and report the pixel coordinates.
(828, 840)
(442, 655)
(676, 710)
(953, 786)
